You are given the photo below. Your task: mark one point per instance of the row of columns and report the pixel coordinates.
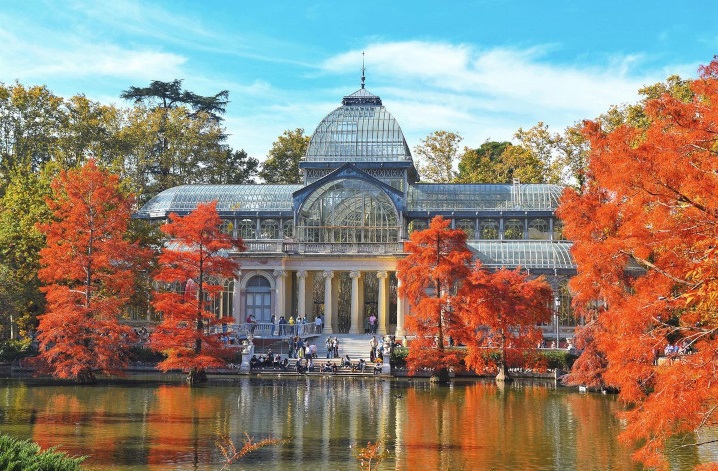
(331, 300)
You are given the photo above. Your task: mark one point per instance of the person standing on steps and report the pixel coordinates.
(318, 324)
(372, 348)
(372, 324)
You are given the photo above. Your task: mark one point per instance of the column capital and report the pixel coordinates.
(382, 274)
(328, 274)
(355, 274)
(302, 274)
(279, 273)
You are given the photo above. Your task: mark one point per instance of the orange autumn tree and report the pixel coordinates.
(644, 228)
(196, 253)
(438, 261)
(88, 268)
(502, 311)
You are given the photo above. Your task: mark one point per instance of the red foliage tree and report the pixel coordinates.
(89, 272)
(501, 312)
(644, 229)
(438, 261)
(195, 253)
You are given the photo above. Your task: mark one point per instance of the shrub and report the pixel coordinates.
(19, 455)
(145, 355)
(560, 359)
(398, 357)
(11, 350)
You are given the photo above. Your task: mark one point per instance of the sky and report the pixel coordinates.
(483, 68)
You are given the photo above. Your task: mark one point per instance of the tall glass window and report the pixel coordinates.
(513, 229)
(538, 229)
(468, 226)
(348, 211)
(269, 229)
(557, 229)
(247, 229)
(489, 229)
(288, 228)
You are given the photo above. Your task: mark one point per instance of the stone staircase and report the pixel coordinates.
(354, 345)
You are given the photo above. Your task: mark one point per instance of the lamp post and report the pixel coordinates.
(557, 305)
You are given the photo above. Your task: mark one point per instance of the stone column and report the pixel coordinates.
(355, 327)
(280, 302)
(400, 332)
(328, 314)
(237, 306)
(383, 302)
(302, 293)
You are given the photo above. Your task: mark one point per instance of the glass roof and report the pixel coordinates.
(474, 197)
(361, 130)
(230, 198)
(524, 253)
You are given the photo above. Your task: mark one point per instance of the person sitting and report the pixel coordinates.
(300, 366)
(333, 367)
(377, 368)
(326, 368)
(277, 361)
(359, 367)
(253, 362)
(285, 364)
(346, 362)
(310, 364)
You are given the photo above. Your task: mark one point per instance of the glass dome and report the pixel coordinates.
(348, 211)
(361, 130)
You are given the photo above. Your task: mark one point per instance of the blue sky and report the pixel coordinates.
(480, 68)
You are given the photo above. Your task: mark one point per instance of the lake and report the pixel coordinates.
(153, 422)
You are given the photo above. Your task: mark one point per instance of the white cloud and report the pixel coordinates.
(490, 93)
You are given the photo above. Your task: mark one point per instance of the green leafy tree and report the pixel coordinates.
(233, 167)
(175, 138)
(499, 162)
(167, 95)
(437, 155)
(282, 164)
(21, 208)
(31, 118)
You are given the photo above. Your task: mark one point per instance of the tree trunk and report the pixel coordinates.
(196, 376)
(441, 376)
(86, 376)
(503, 376)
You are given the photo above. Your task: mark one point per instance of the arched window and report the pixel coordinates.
(269, 229)
(247, 229)
(538, 229)
(288, 228)
(228, 227)
(489, 229)
(348, 210)
(258, 302)
(468, 226)
(513, 229)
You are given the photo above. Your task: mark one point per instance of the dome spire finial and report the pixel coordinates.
(363, 69)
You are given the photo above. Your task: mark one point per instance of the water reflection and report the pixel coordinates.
(466, 426)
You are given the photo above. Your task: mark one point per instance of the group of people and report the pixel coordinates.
(299, 348)
(269, 361)
(292, 326)
(332, 345)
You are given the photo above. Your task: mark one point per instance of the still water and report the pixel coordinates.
(160, 425)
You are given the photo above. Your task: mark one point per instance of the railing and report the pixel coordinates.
(278, 246)
(268, 330)
(340, 247)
